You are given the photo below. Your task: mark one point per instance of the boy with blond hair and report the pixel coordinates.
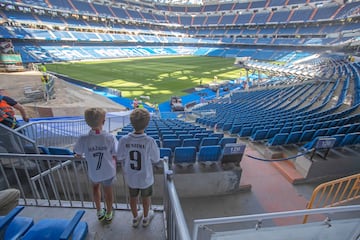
(99, 149)
(137, 153)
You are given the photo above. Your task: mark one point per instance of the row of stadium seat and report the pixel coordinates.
(17, 227)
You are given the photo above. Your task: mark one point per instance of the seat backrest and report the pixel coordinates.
(349, 139)
(226, 140)
(272, 132)
(169, 136)
(191, 142)
(293, 137)
(184, 136)
(209, 153)
(278, 139)
(259, 135)
(165, 152)
(208, 141)
(171, 143)
(43, 149)
(307, 135)
(60, 151)
(185, 155)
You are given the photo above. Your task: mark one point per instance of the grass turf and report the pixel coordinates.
(158, 77)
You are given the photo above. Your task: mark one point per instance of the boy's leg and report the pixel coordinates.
(108, 191)
(97, 195)
(137, 215)
(97, 199)
(146, 201)
(133, 206)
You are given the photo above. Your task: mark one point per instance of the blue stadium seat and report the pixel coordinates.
(209, 154)
(278, 139)
(191, 142)
(332, 131)
(320, 132)
(349, 139)
(184, 136)
(14, 227)
(166, 152)
(307, 135)
(43, 149)
(259, 135)
(185, 155)
(235, 129)
(285, 130)
(339, 138)
(343, 129)
(245, 132)
(169, 136)
(209, 141)
(223, 141)
(272, 132)
(171, 143)
(62, 229)
(201, 135)
(218, 135)
(293, 137)
(60, 151)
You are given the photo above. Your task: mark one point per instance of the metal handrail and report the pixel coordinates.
(61, 181)
(176, 223)
(64, 132)
(259, 217)
(334, 193)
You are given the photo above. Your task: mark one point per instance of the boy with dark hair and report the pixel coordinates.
(138, 152)
(99, 148)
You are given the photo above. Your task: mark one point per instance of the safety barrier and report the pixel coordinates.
(335, 192)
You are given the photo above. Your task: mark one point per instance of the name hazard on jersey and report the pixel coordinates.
(97, 148)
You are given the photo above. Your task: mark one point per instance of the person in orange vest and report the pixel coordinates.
(7, 113)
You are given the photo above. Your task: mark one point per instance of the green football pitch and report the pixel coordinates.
(156, 77)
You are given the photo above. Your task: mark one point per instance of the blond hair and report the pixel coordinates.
(139, 118)
(95, 117)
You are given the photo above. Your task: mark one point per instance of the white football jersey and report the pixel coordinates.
(138, 153)
(99, 150)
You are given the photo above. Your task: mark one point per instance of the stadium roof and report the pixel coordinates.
(191, 2)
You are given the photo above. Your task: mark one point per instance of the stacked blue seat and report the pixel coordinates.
(16, 227)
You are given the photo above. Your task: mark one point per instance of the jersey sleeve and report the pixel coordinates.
(120, 153)
(155, 152)
(78, 147)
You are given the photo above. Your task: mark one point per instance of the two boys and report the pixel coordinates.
(136, 151)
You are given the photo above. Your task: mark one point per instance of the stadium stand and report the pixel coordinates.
(301, 86)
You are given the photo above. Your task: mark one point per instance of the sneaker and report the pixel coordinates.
(109, 216)
(146, 221)
(101, 214)
(137, 220)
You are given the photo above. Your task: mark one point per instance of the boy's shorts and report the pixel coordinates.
(107, 182)
(146, 192)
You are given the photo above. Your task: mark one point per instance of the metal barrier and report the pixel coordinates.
(62, 181)
(200, 225)
(335, 192)
(176, 227)
(64, 132)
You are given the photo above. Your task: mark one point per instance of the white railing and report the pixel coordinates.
(201, 225)
(61, 181)
(64, 132)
